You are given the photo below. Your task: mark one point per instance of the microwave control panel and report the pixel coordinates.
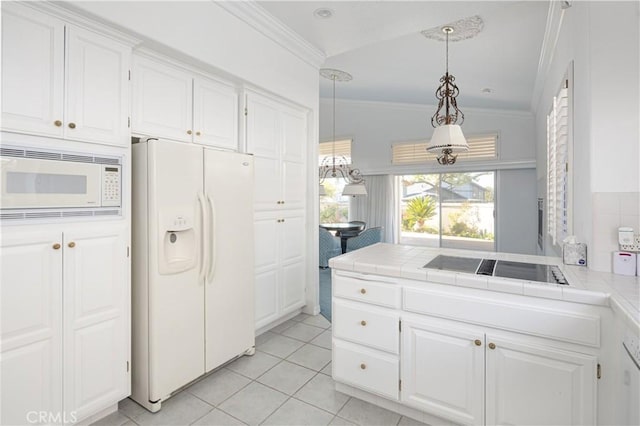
(111, 186)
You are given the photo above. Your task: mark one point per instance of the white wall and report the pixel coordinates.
(374, 126)
(602, 40)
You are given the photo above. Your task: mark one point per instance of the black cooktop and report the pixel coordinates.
(499, 268)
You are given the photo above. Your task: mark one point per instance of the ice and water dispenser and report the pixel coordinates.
(178, 241)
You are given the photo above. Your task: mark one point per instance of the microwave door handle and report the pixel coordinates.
(212, 240)
(203, 235)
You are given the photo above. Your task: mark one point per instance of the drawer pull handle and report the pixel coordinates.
(57, 123)
(72, 244)
(72, 125)
(492, 345)
(363, 290)
(198, 133)
(363, 366)
(56, 246)
(477, 342)
(189, 132)
(363, 323)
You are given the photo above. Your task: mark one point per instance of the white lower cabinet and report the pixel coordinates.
(453, 370)
(65, 323)
(279, 265)
(443, 371)
(529, 384)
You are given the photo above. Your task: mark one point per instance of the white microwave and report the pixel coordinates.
(39, 184)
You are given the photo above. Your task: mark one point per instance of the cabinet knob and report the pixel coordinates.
(283, 220)
(363, 290)
(492, 345)
(477, 342)
(57, 123)
(71, 244)
(56, 246)
(189, 132)
(363, 323)
(363, 366)
(72, 125)
(198, 133)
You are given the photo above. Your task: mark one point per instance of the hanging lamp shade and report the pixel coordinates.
(354, 189)
(448, 136)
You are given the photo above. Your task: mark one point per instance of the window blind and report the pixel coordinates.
(343, 149)
(558, 178)
(480, 148)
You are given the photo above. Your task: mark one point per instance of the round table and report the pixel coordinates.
(344, 230)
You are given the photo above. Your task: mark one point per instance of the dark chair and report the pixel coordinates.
(329, 247)
(365, 238)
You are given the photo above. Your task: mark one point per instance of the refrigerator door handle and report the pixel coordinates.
(203, 235)
(212, 240)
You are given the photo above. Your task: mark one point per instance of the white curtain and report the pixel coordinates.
(377, 208)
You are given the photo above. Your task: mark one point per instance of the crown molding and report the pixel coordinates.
(257, 17)
(555, 17)
(431, 108)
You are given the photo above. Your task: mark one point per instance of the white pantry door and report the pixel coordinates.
(31, 325)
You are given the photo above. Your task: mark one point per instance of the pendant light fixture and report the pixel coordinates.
(334, 166)
(447, 139)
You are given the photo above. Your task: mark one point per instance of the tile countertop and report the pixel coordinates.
(621, 293)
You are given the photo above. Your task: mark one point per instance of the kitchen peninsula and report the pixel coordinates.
(463, 348)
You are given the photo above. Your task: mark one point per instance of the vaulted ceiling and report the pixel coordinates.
(380, 44)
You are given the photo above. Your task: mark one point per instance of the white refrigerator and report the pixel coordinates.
(192, 264)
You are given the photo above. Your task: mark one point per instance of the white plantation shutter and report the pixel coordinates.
(558, 158)
(480, 148)
(343, 149)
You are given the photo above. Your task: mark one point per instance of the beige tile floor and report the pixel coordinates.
(287, 382)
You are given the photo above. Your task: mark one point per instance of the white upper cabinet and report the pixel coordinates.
(173, 103)
(97, 106)
(75, 90)
(162, 100)
(215, 114)
(32, 71)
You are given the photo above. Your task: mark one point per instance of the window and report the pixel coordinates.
(343, 149)
(333, 206)
(558, 157)
(454, 210)
(482, 147)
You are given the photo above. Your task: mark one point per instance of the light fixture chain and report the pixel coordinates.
(333, 145)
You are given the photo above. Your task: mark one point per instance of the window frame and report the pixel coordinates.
(559, 162)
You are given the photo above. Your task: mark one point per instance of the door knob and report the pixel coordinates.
(56, 246)
(363, 366)
(363, 323)
(477, 342)
(492, 345)
(57, 123)
(71, 244)
(189, 132)
(363, 290)
(72, 125)
(198, 133)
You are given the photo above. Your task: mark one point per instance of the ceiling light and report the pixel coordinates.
(447, 139)
(333, 167)
(323, 13)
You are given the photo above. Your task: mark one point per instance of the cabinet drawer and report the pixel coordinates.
(365, 288)
(558, 324)
(366, 369)
(368, 325)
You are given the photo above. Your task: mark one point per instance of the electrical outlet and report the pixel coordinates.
(635, 247)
